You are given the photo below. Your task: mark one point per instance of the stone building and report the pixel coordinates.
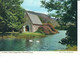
(32, 24)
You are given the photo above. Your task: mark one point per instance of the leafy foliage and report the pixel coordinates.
(11, 15)
(66, 12)
(71, 36)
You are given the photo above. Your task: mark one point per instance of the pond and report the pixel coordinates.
(48, 43)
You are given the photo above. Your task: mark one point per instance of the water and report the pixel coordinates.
(49, 43)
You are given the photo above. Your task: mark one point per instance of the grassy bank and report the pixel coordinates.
(30, 35)
(70, 48)
(21, 35)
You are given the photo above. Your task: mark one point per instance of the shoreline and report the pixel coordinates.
(21, 35)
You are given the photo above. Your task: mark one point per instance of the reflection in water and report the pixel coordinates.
(48, 43)
(12, 44)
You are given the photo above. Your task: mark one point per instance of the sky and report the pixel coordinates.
(34, 5)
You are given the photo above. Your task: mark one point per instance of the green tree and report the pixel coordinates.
(71, 38)
(66, 11)
(11, 15)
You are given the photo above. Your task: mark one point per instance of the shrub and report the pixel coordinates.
(47, 29)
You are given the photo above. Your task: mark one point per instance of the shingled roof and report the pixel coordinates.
(34, 18)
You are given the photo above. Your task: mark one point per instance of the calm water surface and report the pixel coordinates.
(48, 43)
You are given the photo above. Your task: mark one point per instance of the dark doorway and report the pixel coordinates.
(27, 28)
